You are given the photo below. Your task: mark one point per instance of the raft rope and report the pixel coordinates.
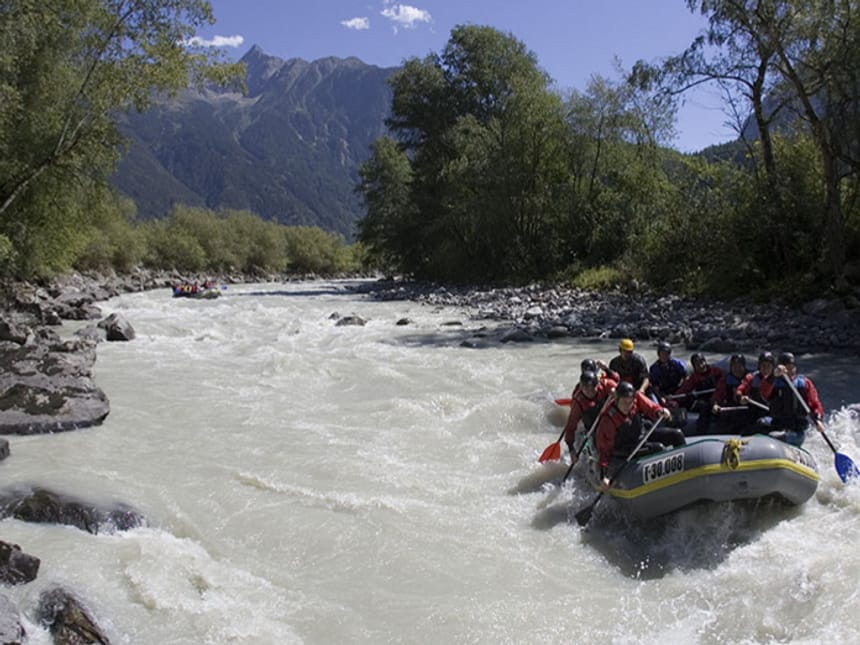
(732, 452)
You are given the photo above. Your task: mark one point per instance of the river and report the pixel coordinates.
(309, 483)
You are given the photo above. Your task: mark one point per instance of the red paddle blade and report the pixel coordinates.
(562, 401)
(552, 452)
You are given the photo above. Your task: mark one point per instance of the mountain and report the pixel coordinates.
(288, 150)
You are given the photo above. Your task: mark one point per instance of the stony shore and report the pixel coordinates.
(543, 313)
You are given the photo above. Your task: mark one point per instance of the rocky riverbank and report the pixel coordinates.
(47, 386)
(543, 313)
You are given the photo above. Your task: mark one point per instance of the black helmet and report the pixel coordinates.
(588, 378)
(697, 358)
(588, 365)
(787, 358)
(766, 357)
(663, 346)
(738, 358)
(624, 390)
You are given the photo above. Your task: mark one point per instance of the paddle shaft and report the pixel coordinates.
(587, 438)
(807, 410)
(693, 393)
(584, 515)
(757, 404)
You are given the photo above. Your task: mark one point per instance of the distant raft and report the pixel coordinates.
(710, 468)
(195, 291)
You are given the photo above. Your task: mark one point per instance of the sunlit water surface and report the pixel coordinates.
(308, 483)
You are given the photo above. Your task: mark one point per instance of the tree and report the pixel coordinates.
(616, 167)
(66, 67)
(386, 230)
(483, 137)
(801, 56)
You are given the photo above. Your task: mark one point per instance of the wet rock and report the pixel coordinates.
(117, 328)
(46, 507)
(4, 449)
(68, 620)
(48, 387)
(516, 335)
(16, 567)
(351, 320)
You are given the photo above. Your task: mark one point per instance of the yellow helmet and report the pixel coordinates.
(626, 344)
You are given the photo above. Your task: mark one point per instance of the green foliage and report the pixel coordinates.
(312, 250)
(66, 67)
(385, 190)
(112, 242)
(598, 278)
(476, 191)
(201, 241)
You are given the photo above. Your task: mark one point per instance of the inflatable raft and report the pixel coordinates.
(715, 468)
(192, 291)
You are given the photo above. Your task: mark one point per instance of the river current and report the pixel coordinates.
(309, 483)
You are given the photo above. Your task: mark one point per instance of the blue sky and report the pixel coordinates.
(573, 39)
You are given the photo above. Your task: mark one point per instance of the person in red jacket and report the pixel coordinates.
(620, 426)
(585, 404)
(749, 391)
(789, 421)
(599, 368)
(699, 386)
(730, 419)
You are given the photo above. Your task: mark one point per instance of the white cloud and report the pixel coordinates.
(356, 23)
(216, 41)
(405, 15)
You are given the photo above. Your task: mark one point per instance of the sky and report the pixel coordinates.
(572, 39)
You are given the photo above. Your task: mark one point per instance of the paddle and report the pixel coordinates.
(845, 467)
(553, 451)
(582, 516)
(562, 401)
(757, 404)
(548, 500)
(693, 393)
(591, 430)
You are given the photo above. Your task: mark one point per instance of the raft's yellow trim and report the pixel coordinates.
(715, 469)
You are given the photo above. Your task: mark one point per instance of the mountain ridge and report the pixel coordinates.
(289, 149)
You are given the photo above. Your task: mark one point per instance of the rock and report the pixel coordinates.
(4, 449)
(67, 619)
(403, 321)
(557, 331)
(719, 345)
(516, 335)
(49, 388)
(351, 320)
(46, 507)
(117, 328)
(15, 333)
(16, 567)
